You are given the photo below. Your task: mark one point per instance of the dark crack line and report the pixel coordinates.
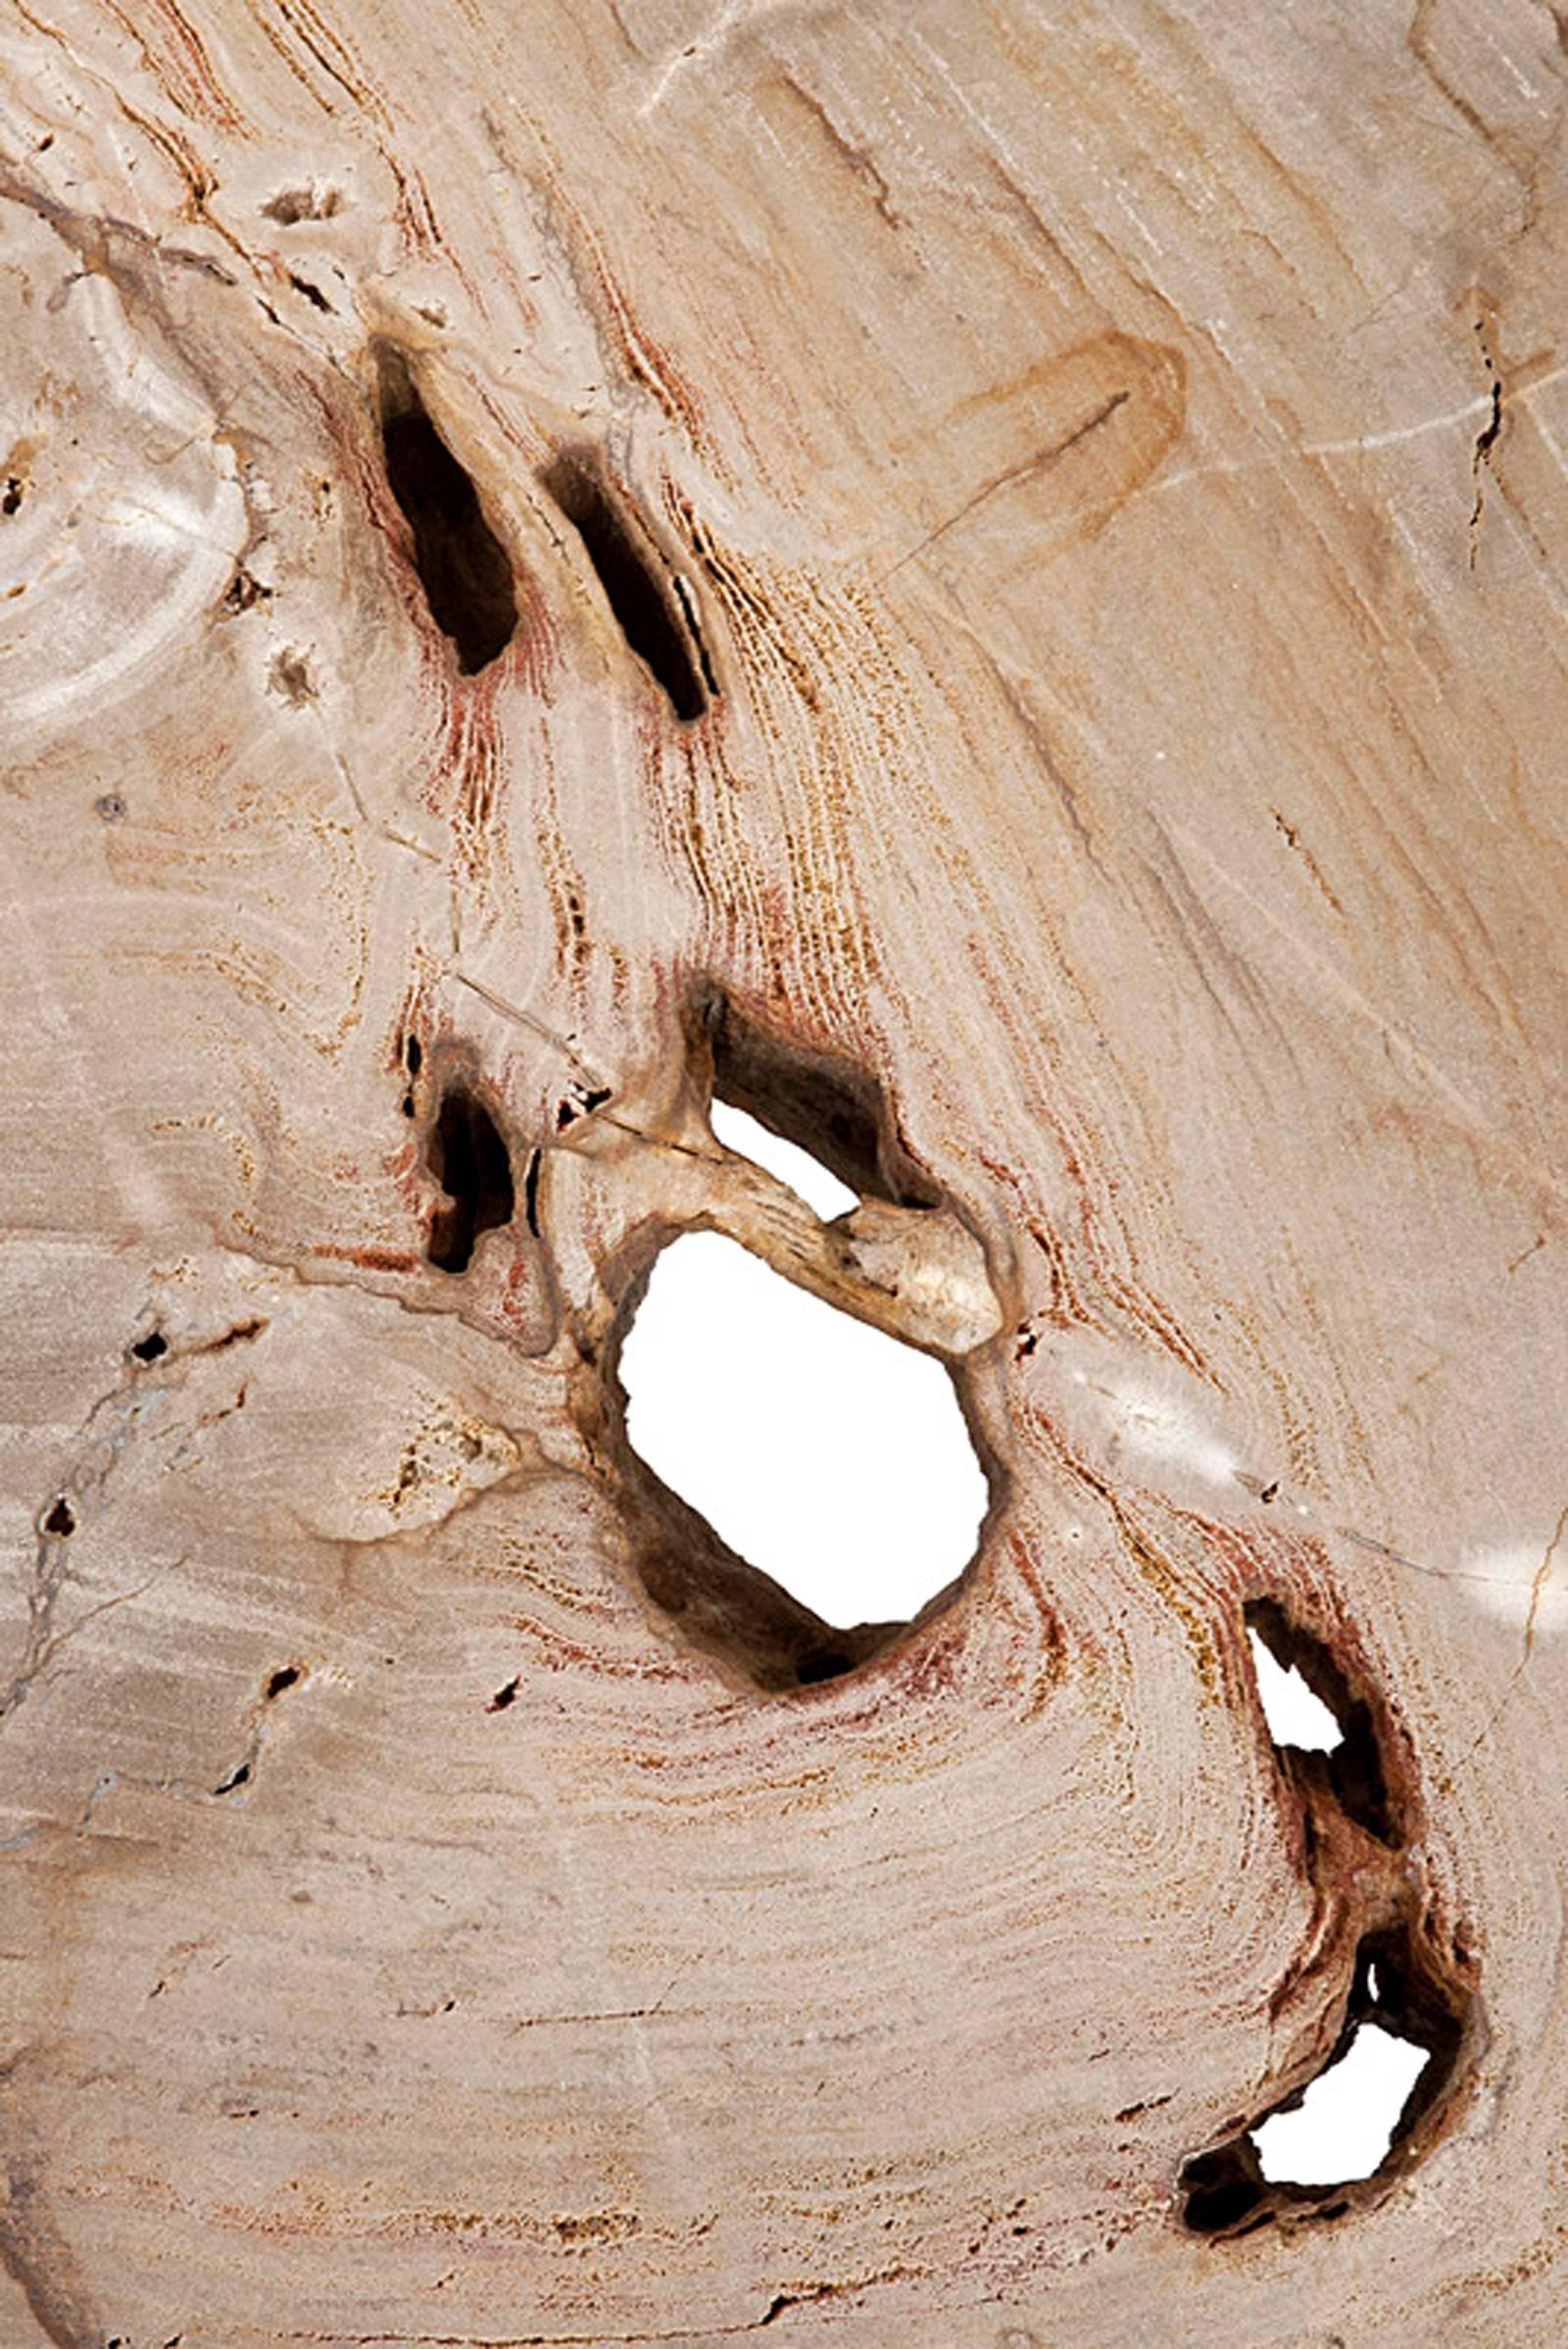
(1042, 461)
(1486, 440)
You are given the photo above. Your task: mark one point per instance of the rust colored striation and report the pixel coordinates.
(371, 1258)
(981, 583)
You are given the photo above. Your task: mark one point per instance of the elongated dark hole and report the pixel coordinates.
(462, 565)
(822, 1104)
(469, 1160)
(1354, 1769)
(645, 606)
(1397, 1986)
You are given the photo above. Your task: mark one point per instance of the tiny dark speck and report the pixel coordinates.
(110, 807)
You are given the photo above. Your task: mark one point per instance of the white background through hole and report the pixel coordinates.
(1294, 1716)
(1342, 2128)
(824, 1452)
(805, 1176)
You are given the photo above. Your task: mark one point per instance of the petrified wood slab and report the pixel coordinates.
(988, 584)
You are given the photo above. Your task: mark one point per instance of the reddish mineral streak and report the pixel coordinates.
(902, 572)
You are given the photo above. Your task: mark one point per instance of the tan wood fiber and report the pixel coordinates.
(985, 581)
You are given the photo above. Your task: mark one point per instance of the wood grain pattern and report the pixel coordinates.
(987, 581)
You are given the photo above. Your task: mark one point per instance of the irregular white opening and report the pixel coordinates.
(1294, 1716)
(830, 1455)
(1344, 2125)
(804, 1175)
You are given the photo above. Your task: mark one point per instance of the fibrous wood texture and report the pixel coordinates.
(986, 580)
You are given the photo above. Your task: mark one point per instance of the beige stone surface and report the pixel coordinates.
(987, 579)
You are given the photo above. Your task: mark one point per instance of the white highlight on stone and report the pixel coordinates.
(1518, 1585)
(122, 544)
(1345, 2124)
(794, 1167)
(1294, 1716)
(1161, 1428)
(825, 1452)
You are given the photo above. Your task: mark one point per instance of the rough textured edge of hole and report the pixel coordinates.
(462, 565)
(825, 1104)
(801, 1172)
(311, 201)
(831, 1454)
(466, 1152)
(1293, 1714)
(1222, 2193)
(659, 623)
(722, 1606)
(1354, 1771)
